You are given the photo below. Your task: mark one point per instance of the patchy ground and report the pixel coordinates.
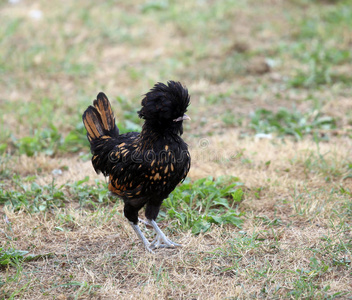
(271, 112)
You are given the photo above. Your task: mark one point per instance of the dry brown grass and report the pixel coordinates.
(100, 249)
(104, 255)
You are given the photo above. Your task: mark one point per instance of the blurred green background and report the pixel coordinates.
(241, 60)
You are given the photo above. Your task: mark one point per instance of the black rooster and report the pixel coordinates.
(143, 168)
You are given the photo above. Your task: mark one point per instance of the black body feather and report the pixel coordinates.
(143, 168)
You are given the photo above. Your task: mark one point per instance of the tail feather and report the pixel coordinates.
(91, 120)
(99, 119)
(102, 132)
(103, 106)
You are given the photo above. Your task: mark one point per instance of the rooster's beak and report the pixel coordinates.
(184, 117)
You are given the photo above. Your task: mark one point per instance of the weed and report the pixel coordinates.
(35, 198)
(86, 194)
(47, 140)
(267, 221)
(10, 256)
(50, 141)
(13, 257)
(80, 288)
(219, 98)
(154, 6)
(75, 140)
(324, 24)
(293, 123)
(130, 120)
(241, 243)
(316, 46)
(229, 119)
(5, 161)
(32, 197)
(204, 202)
(306, 286)
(320, 62)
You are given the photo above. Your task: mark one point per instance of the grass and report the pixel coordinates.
(266, 210)
(294, 123)
(205, 202)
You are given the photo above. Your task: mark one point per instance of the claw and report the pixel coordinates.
(160, 240)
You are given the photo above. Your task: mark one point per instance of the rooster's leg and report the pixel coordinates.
(161, 241)
(141, 236)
